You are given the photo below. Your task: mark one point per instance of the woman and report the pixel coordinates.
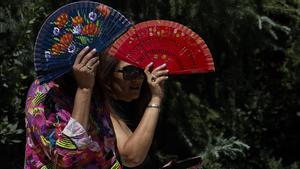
(134, 96)
(70, 127)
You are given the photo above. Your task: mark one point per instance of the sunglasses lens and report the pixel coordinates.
(133, 73)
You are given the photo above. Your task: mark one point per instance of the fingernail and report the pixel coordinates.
(167, 70)
(167, 77)
(87, 47)
(94, 50)
(151, 63)
(164, 64)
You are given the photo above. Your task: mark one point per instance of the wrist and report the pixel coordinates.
(153, 105)
(155, 101)
(85, 90)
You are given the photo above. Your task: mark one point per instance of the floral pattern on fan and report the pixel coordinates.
(164, 42)
(71, 28)
(80, 28)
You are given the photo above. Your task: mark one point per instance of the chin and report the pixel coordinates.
(129, 99)
(136, 96)
(130, 96)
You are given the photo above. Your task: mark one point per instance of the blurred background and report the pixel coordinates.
(246, 115)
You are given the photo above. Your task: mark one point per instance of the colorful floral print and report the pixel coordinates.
(71, 30)
(61, 20)
(55, 140)
(90, 29)
(77, 20)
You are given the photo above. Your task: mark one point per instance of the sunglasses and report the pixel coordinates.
(131, 73)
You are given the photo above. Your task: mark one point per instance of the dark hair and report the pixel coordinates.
(67, 83)
(104, 79)
(102, 88)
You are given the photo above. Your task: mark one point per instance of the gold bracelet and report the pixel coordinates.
(153, 106)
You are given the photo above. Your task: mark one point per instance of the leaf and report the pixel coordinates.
(13, 127)
(273, 34)
(16, 141)
(3, 131)
(19, 131)
(23, 76)
(259, 23)
(83, 39)
(17, 62)
(268, 20)
(32, 21)
(5, 119)
(5, 85)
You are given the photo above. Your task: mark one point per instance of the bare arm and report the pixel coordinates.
(81, 108)
(41, 133)
(84, 71)
(134, 147)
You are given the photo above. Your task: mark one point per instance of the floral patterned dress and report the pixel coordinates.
(55, 140)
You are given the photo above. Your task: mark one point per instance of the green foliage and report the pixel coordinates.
(277, 164)
(18, 23)
(221, 152)
(8, 131)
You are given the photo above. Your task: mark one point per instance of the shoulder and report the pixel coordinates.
(37, 88)
(37, 93)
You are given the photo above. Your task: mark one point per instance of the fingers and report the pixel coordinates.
(81, 55)
(161, 73)
(86, 60)
(94, 66)
(154, 71)
(161, 79)
(159, 68)
(87, 57)
(147, 72)
(92, 63)
(158, 75)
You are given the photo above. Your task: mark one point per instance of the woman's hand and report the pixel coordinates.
(156, 79)
(84, 68)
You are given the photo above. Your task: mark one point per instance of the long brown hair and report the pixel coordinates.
(104, 79)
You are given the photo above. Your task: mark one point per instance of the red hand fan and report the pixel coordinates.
(162, 41)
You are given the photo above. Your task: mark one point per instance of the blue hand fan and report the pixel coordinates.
(71, 28)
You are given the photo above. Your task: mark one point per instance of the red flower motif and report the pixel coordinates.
(64, 43)
(61, 20)
(103, 9)
(57, 48)
(66, 39)
(90, 29)
(77, 20)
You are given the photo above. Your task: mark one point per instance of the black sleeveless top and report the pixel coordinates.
(126, 111)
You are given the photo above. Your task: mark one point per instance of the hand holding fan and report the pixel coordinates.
(162, 41)
(68, 30)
